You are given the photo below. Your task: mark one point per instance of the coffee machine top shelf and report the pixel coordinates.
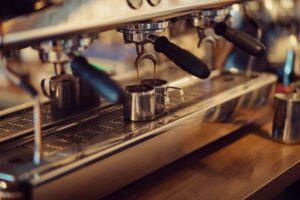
(81, 16)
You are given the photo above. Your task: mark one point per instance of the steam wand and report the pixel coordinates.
(37, 114)
(259, 34)
(216, 19)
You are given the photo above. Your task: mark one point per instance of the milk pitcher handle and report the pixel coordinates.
(43, 87)
(167, 98)
(180, 92)
(168, 101)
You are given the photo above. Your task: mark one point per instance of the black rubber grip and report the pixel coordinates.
(240, 39)
(181, 57)
(99, 80)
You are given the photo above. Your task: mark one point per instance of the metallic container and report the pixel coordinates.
(62, 92)
(162, 89)
(286, 126)
(140, 103)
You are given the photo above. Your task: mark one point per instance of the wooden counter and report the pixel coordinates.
(246, 164)
(12, 96)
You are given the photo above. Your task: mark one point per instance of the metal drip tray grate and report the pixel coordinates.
(20, 121)
(103, 128)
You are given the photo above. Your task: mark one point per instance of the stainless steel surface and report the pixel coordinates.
(286, 126)
(63, 93)
(154, 2)
(217, 15)
(208, 42)
(139, 32)
(280, 21)
(17, 121)
(91, 151)
(74, 144)
(69, 93)
(160, 92)
(139, 104)
(60, 68)
(202, 21)
(38, 151)
(142, 55)
(103, 15)
(256, 98)
(204, 18)
(55, 51)
(135, 4)
(38, 143)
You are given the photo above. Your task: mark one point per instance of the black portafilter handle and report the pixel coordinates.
(181, 57)
(240, 39)
(99, 80)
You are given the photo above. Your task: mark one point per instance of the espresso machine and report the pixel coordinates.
(76, 143)
(279, 31)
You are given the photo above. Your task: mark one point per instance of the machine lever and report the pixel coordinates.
(101, 82)
(181, 57)
(240, 39)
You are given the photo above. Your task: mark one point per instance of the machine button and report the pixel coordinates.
(154, 2)
(135, 4)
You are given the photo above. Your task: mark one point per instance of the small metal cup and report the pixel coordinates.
(162, 89)
(139, 104)
(62, 93)
(286, 126)
(64, 96)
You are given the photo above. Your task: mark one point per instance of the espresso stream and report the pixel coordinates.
(138, 74)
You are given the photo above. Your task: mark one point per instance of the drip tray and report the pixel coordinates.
(100, 135)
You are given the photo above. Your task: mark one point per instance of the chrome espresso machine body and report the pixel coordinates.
(48, 152)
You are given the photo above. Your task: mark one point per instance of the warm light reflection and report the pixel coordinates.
(236, 8)
(287, 4)
(269, 4)
(3, 185)
(234, 70)
(293, 40)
